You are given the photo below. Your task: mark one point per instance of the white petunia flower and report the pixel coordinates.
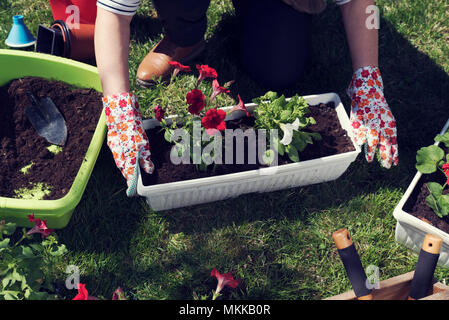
(287, 129)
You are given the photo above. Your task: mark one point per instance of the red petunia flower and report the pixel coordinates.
(195, 100)
(205, 72)
(214, 120)
(224, 280)
(178, 67)
(39, 227)
(159, 113)
(83, 294)
(241, 106)
(217, 89)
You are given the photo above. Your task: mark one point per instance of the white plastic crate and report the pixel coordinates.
(411, 231)
(204, 190)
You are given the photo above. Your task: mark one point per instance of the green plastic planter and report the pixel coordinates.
(17, 64)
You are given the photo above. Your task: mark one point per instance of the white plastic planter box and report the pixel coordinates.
(204, 190)
(411, 231)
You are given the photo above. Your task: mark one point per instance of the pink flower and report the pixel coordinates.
(241, 106)
(39, 227)
(217, 89)
(205, 72)
(118, 294)
(159, 113)
(225, 279)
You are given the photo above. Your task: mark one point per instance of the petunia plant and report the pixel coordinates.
(26, 265)
(430, 160)
(200, 122)
(290, 118)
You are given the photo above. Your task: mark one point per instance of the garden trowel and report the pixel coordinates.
(47, 120)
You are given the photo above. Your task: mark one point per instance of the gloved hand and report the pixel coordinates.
(127, 138)
(371, 119)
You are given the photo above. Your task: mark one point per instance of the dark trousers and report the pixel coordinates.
(274, 38)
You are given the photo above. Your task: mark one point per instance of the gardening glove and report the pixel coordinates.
(127, 138)
(372, 122)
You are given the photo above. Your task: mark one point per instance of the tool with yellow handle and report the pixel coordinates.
(427, 262)
(352, 264)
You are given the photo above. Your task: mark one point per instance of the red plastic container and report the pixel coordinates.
(87, 9)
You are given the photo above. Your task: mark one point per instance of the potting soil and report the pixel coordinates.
(52, 170)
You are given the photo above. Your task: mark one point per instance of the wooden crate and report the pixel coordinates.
(398, 288)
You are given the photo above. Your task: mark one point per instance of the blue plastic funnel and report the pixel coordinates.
(19, 35)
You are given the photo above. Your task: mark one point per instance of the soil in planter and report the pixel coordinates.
(27, 160)
(416, 203)
(334, 141)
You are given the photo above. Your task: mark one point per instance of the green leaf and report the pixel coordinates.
(436, 200)
(435, 188)
(279, 147)
(443, 138)
(297, 142)
(11, 295)
(292, 153)
(167, 135)
(6, 280)
(432, 202)
(61, 250)
(27, 252)
(315, 135)
(268, 157)
(285, 116)
(4, 243)
(443, 202)
(9, 228)
(427, 159)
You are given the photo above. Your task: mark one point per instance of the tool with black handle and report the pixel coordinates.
(425, 268)
(352, 264)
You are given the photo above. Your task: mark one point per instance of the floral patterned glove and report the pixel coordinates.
(372, 121)
(127, 138)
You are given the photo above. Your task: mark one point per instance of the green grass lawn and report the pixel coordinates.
(278, 244)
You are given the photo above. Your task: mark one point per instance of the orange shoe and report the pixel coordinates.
(155, 64)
